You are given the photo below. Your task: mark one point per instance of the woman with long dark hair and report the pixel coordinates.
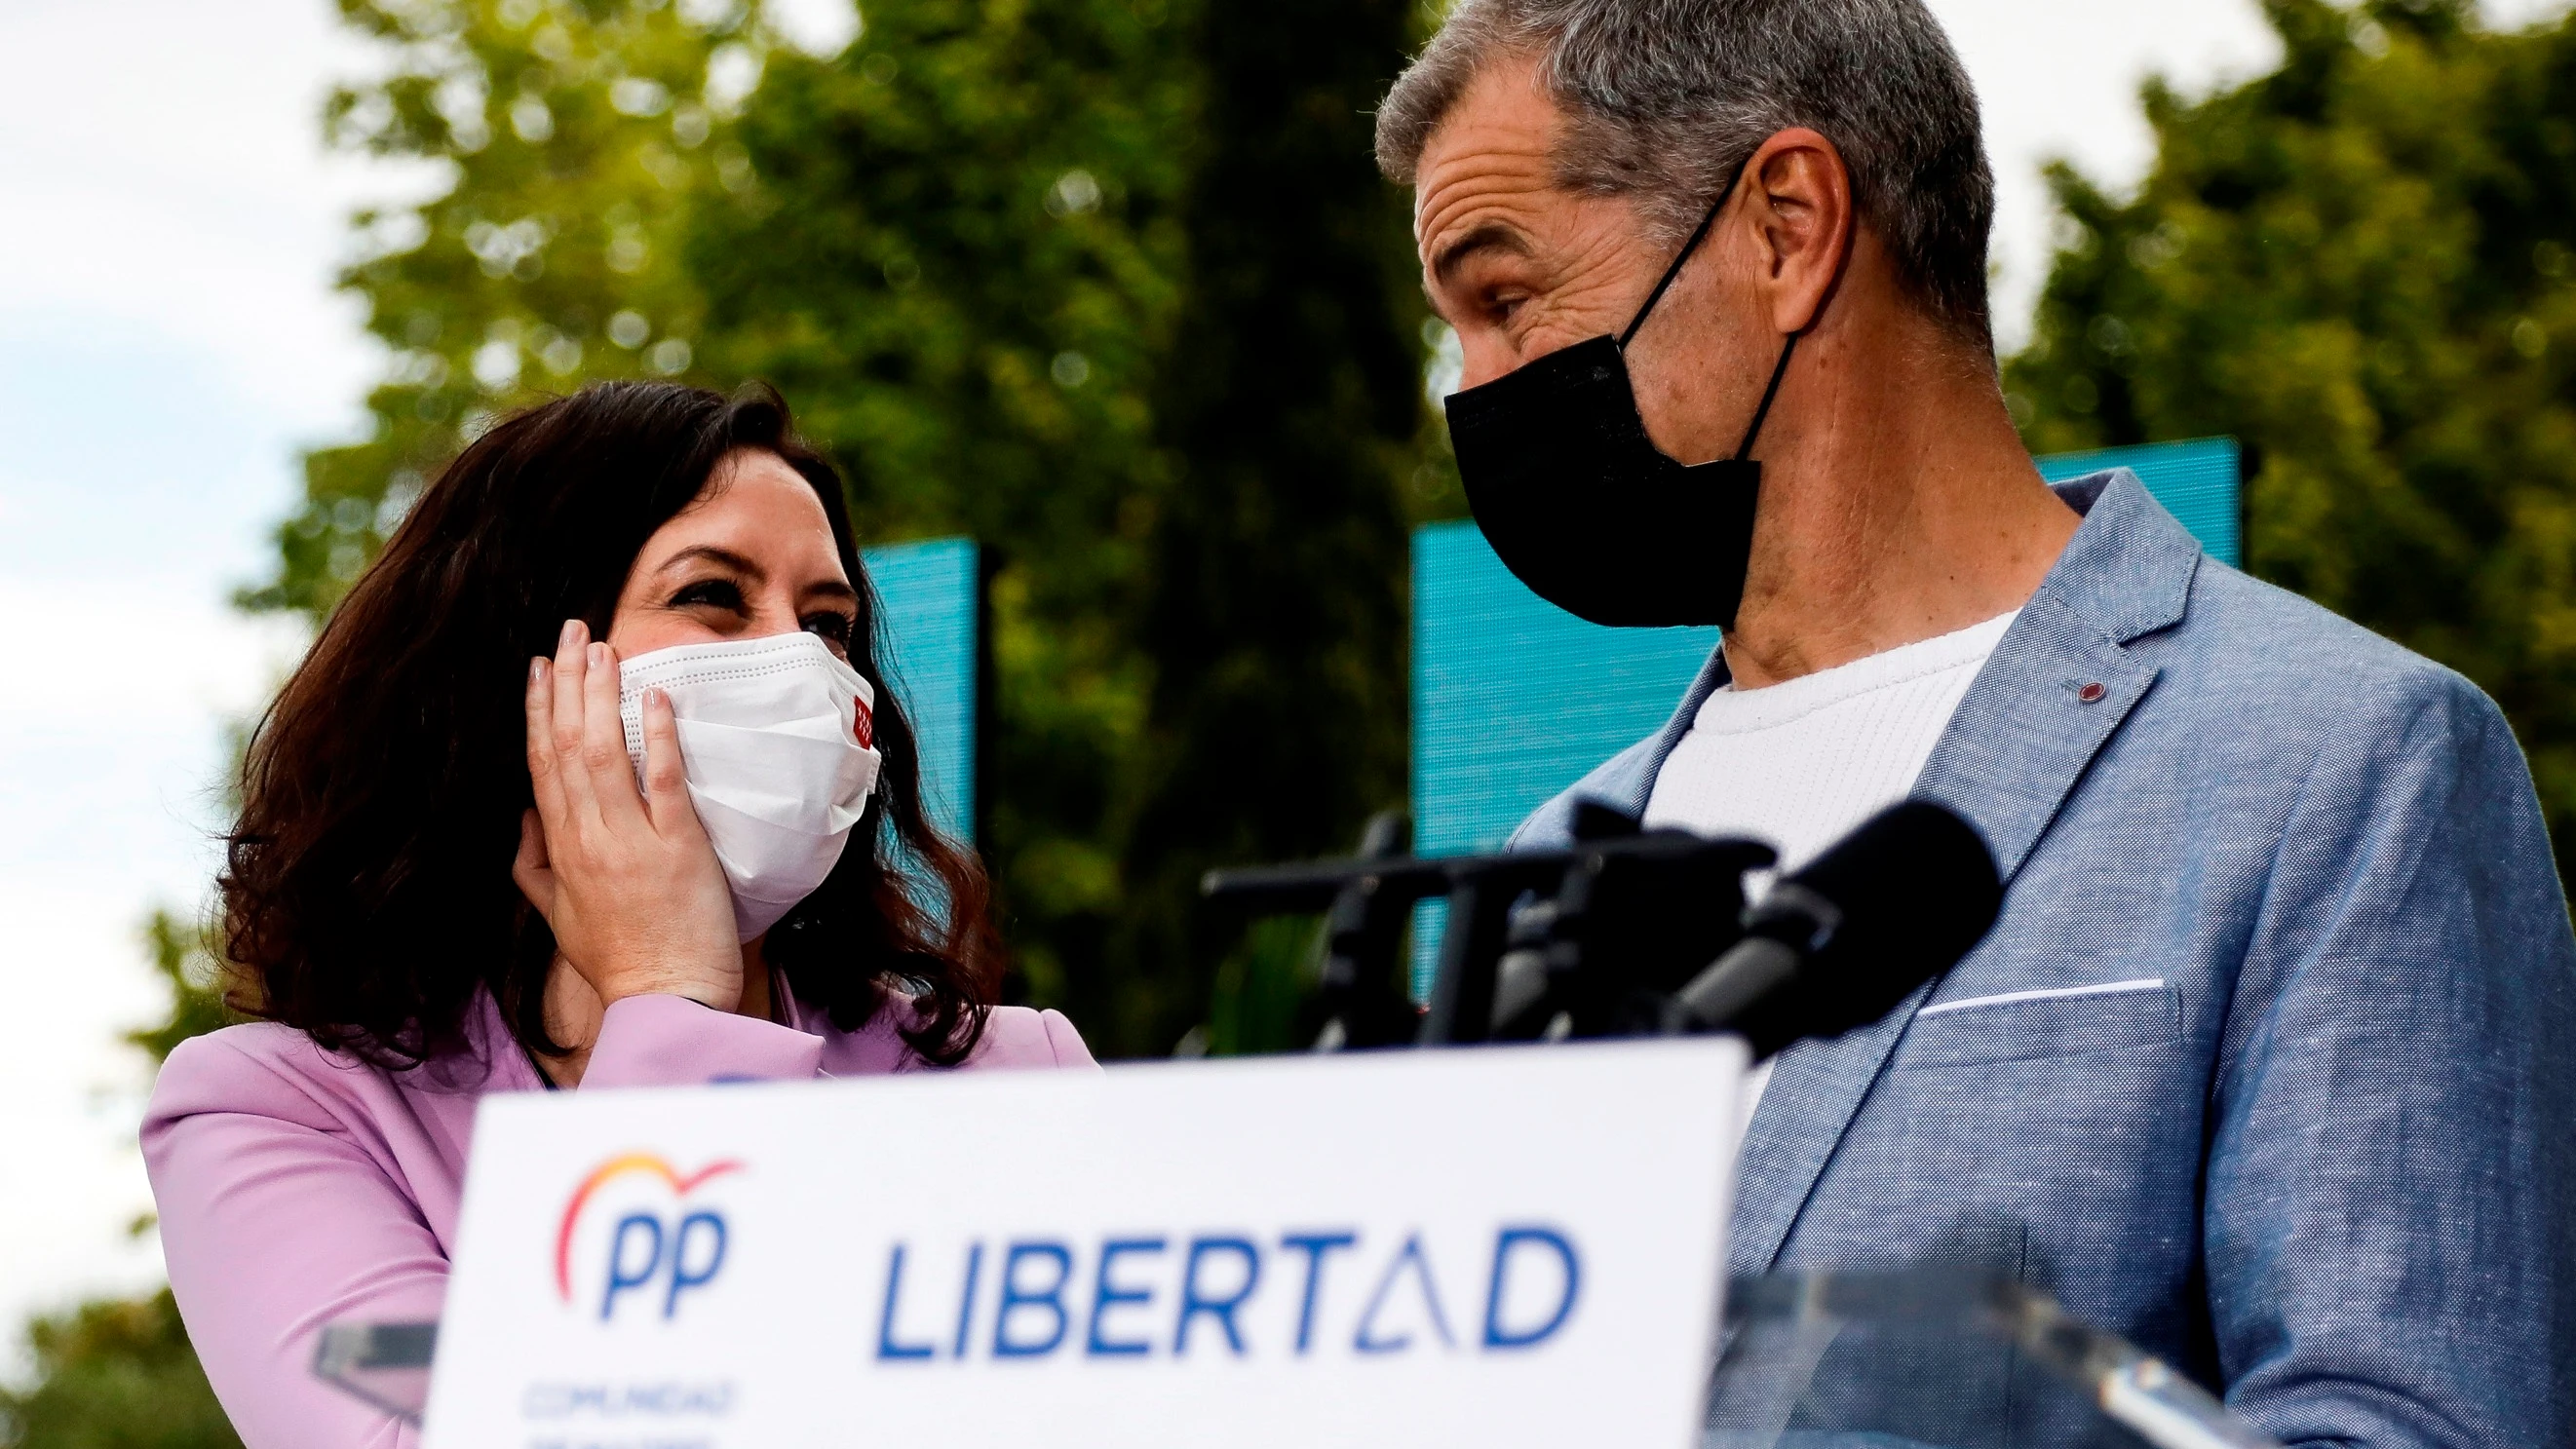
(593, 780)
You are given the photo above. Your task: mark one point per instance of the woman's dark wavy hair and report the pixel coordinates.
(367, 891)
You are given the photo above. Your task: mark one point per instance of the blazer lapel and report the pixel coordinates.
(1712, 677)
(2058, 686)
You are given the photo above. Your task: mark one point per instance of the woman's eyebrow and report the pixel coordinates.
(723, 558)
(831, 589)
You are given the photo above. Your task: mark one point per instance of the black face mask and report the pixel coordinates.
(1580, 503)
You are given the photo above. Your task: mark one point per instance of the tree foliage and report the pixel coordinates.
(184, 959)
(2364, 266)
(115, 1375)
(568, 146)
(963, 268)
(1274, 603)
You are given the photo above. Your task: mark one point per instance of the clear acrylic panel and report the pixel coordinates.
(386, 1364)
(1942, 1358)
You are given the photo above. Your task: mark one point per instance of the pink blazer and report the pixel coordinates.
(298, 1188)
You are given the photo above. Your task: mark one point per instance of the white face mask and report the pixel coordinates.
(777, 736)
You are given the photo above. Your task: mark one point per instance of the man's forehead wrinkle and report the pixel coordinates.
(1491, 139)
(1489, 194)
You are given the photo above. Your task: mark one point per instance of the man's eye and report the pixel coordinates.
(709, 593)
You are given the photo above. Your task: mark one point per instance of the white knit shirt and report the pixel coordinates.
(1799, 763)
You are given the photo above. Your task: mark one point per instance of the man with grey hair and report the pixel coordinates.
(2259, 1067)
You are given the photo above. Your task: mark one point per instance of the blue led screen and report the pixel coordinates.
(928, 634)
(1514, 699)
(2199, 482)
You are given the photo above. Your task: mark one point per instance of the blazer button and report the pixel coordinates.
(2091, 693)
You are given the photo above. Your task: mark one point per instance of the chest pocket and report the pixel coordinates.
(2024, 1025)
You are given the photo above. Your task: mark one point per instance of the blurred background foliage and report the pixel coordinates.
(1110, 286)
(2364, 267)
(115, 1375)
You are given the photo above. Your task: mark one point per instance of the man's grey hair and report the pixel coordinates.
(1663, 99)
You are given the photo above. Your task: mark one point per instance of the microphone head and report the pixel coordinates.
(1917, 890)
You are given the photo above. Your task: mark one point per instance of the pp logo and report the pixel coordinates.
(633, 1217)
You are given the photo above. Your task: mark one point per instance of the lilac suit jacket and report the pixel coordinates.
(298, 1187)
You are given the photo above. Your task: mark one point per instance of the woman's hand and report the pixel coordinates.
(628, 881)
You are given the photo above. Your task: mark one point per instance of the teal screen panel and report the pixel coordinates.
(1514, 699)
(2200, 482)
(929, 592)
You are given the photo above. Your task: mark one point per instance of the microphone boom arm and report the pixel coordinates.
(1632, 932)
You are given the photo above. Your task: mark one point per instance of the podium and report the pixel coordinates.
(1492, 1246)
(1933, 1357)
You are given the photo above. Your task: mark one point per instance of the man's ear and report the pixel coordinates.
(1800, 208)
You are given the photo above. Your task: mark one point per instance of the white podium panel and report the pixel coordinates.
(1502, 1246)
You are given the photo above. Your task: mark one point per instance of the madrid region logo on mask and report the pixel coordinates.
(639, 1236)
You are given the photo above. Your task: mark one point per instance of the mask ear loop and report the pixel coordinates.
(1688, 247)
(1744, 449)
(1788, 345)
(1779, 371)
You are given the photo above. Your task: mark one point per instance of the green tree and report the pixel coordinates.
(1275, 601)
(115, 1375)
(183, 956)
(963, 268)
(2360, 265)
(119, 1374)
(577, 141)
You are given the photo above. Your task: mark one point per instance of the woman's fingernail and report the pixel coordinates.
(657, 698)
(536, 671)
(571, 633)
(598, 656)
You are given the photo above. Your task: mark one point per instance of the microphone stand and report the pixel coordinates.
(1598, 937)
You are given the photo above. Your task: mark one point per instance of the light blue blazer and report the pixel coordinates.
(2270, 1063)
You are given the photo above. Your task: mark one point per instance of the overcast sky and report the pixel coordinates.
(169, 339)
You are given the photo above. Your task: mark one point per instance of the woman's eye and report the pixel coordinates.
(834, 628)
(709, 593)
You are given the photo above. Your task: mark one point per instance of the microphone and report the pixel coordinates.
(1840, 943)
